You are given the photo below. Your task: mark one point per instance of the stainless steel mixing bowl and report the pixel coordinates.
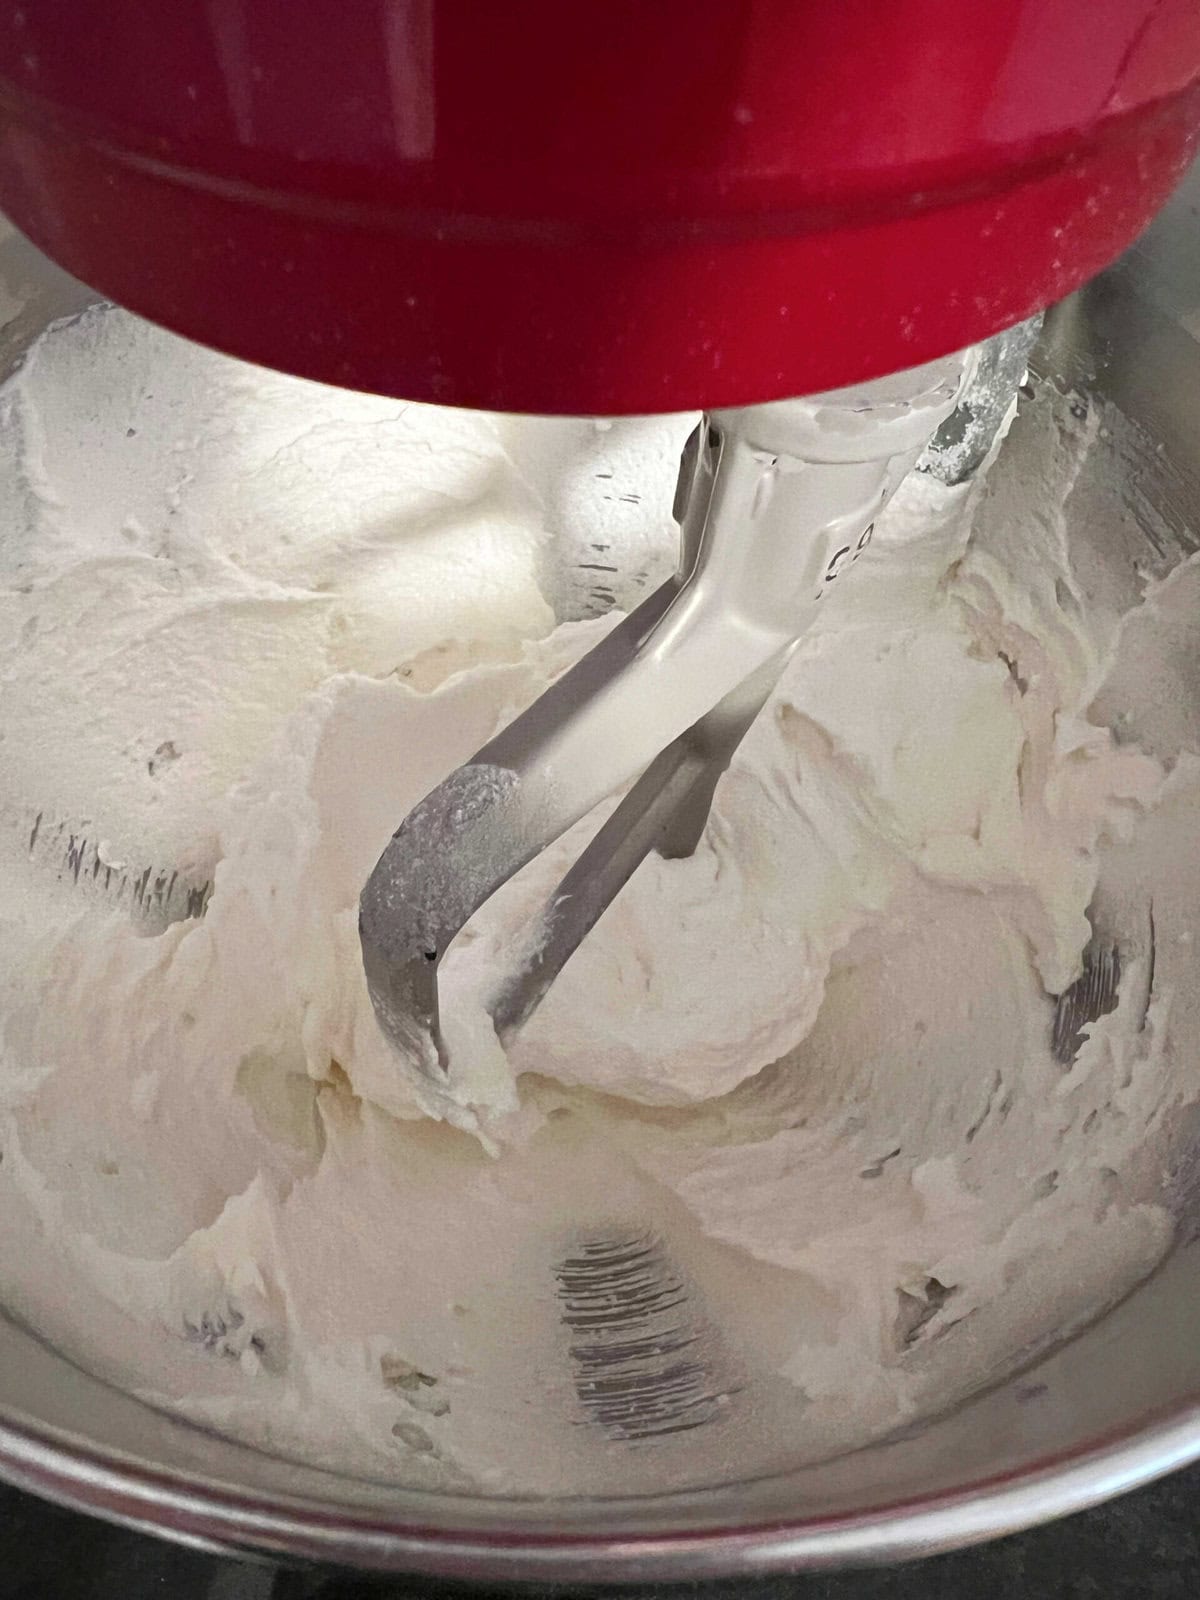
(1112, 1408)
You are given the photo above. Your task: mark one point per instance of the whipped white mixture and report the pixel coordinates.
(795, 1093)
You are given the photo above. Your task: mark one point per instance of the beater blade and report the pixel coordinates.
(775, 502)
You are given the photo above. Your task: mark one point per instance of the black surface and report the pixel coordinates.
(1146, 1546)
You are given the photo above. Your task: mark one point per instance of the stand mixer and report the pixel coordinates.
(602, 209)
(614, 209)
(609, 211)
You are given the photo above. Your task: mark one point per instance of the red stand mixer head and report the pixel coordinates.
(607, 206)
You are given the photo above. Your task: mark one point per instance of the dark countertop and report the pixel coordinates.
(1143, 1547)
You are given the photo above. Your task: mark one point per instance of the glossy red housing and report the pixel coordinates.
(591, 205)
